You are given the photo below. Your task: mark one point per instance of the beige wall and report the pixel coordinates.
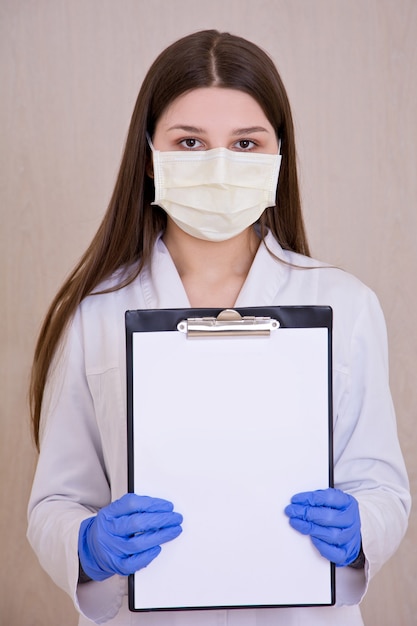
(70, 70)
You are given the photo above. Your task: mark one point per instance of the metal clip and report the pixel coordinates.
(229, 323)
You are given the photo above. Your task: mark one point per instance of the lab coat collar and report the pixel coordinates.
(162, 286)
(266, 276)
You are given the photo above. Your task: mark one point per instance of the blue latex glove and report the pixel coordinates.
(331, 518)
(125, 536)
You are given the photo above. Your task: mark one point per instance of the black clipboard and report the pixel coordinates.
(229, 414)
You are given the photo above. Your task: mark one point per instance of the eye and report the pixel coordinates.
(190, 143)
(245, 144)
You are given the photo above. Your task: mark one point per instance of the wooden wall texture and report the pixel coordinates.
(69, 75)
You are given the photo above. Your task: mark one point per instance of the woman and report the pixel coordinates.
(212, 109)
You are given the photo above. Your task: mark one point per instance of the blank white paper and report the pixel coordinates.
(228, 430)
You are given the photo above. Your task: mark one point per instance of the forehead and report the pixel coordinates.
(209, 106)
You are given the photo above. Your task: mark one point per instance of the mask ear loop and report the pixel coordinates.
(148, 137)
(150, 163)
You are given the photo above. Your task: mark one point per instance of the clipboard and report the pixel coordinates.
(229, 415)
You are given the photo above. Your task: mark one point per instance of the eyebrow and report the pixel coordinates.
(187, 129)
(249, 130)
(239, 132)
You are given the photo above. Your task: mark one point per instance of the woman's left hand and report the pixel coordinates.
(331, 518)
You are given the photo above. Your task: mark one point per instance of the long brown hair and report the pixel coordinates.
(131, 225)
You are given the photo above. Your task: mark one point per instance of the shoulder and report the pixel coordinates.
(331, 278)
(98, 325)
(320, 280)
(114, 292)
(308, 281)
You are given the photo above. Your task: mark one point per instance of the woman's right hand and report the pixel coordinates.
(125, 536)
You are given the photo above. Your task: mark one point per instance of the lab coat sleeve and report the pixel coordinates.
(368, 459)
(70, 482)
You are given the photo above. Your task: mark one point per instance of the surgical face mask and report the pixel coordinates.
(214, 194)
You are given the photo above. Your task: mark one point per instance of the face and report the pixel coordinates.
(214, 117)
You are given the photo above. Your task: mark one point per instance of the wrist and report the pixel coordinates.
(88, 564)
(82, 576)
(359, 562)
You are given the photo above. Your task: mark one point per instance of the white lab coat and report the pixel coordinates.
(82, 465)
